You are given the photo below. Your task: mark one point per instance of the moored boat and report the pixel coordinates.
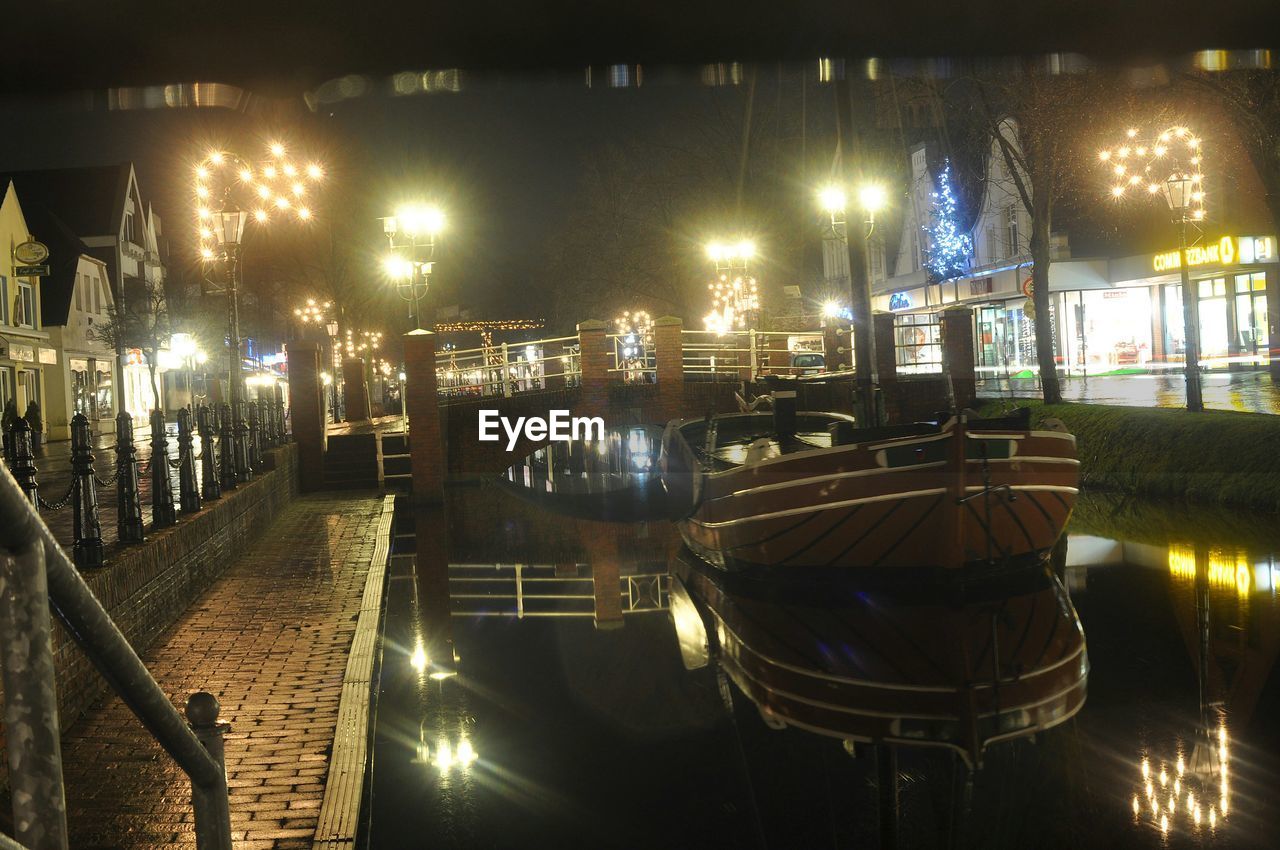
(809, 490)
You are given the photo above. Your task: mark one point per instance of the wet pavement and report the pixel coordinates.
(537, 690)
(1247, 392)
(270, 639)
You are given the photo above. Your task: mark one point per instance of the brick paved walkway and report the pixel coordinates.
(270, 640)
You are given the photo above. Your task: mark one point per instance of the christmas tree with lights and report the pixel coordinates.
(949, 247)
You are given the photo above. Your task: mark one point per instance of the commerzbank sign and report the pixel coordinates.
(1225, 252)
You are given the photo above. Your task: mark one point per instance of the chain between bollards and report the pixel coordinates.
(163, 513)
(87, 552)
(188, 490)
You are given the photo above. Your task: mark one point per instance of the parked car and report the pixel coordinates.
(808, 362)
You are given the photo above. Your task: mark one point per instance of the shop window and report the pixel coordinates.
(79, 289)
(1215, 288)
(4, 300)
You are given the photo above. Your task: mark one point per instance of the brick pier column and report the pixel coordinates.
(306, 405)
(669, 340)
(833, 338)
(422, 404)
(593, 347)
(355, 389)
(957, 354)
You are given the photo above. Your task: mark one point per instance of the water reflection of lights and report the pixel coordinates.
(1226, 569)
(419, 658)
(446, 756)
(1203, 778)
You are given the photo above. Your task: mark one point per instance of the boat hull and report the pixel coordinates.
(960, 496)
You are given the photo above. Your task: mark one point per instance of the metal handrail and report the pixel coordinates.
(91, 627)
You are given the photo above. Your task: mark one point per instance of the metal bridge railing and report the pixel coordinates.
(749, 354)
(36, 576)
(506, 369)
(639, 368)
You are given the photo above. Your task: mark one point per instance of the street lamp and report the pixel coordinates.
(275, 187)
(1169, 165)
(840, 254)
(411, 235)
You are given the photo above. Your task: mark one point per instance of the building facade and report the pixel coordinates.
(1109, 314)
(25, 350)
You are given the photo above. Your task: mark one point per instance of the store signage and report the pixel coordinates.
(1223, 252)
(30, 253)
(1114, 293)
(48, 356)
(25, 353)
(899, 301)
(31, 271)
(133, 357)
(981, 286)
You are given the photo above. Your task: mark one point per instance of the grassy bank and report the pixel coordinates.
(1215, 457)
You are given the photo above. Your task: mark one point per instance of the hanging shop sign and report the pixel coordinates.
(30, 253)
(1226, 251)
(31, 271)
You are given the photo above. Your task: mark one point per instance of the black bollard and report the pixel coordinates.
(243, 470)
(269, 412)
(163, 514)
(188, 489)
(226, 447)
(87, 551)
(128, 500)
(22, 460)
(280, 428)
(255, 437)
(208, 465)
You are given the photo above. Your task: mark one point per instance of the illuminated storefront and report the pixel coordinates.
(1112, 316)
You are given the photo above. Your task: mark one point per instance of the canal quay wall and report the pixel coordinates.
(1215, 457)
(147, 587)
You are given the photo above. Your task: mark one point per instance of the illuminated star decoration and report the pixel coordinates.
(274, 188)
(1144, 165)
(949, 247)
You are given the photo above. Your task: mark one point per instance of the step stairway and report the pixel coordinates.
(397, 473)
(351, 462)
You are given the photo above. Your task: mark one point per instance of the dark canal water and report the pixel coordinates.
(534, 693)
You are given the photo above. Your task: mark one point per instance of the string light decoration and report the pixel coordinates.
(486, 328)
(639, 323)
(363, 341)
(734, 303)
(276, 187)
(949, 247)
(1142, 166)
(313, 311)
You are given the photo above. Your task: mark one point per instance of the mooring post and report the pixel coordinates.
(211, 804)
(226, 447)
(208, 463)
(254, 452)
(188, 488)
(31, 701)
(128, 500)
(163, 514)
(22, 462)
(87, 551)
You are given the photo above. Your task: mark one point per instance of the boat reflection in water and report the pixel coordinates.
(957, 666)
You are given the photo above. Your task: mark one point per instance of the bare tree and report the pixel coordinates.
(143, 324)
(1034, 114)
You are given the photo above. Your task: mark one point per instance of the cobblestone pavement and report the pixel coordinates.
(270, 640)
(1249, 392)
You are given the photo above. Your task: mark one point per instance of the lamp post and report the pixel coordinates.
(1169, 165)
(411, 236)
(871, 199)
(331, 327)
(275, 187)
